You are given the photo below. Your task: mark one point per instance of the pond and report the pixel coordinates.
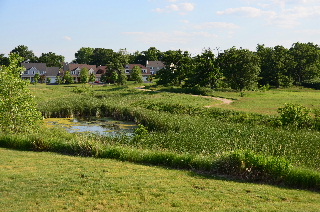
(101, 126)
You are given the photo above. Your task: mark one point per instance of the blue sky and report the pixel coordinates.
(65, 26)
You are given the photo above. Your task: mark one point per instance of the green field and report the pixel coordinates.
(203, 135)
(42, 181)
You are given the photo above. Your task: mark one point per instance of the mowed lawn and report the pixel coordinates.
(42, 181)
(267, 102)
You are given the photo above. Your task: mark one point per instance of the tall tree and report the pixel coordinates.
(241, 68)
(51, 59)
(275, 64)
(177, 66)
(152, 54)
(101, 57)
(306, 61)
(84, 55)
(205, 72)
(23, 51)
(4, 61)
(67, 78)
(136, 74)
(18, 111)
(119, 61)
(84, 75)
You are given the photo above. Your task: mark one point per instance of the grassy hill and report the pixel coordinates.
(43, 181)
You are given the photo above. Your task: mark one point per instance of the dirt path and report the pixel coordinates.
(223, 100)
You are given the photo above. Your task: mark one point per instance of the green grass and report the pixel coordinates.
(42, 181)
(180, 124)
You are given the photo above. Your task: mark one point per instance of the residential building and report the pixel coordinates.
(154, 66)
(145, 71)
(39, 68)
(75, 69)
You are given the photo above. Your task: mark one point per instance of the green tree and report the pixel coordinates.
(4, 61)
(36, 78)
(18, 111)
(114, 77)
(136, 74)
(101, 56)
(275, 64)
(67, 78)
(92, 77)
(23, 51)
(59, 79)
(118, 62)
(84, 55)
(178, 64)
(51, 59)
(240, 67)
(306, 58)
(206, 72)
(84, 75)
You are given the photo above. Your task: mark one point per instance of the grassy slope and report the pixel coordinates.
(30, 183)
(269, 101)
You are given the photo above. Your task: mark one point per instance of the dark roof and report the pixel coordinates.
(39, 66)
(74, 66)
(52, 71)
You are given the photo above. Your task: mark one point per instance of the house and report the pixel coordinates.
(75, 69)
(145, 71)
(154, 66)
(52, 73)
(39, 68)
(100, 70)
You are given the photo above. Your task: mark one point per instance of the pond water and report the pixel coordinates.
(101, 126)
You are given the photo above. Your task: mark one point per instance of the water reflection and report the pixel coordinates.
(101, 126)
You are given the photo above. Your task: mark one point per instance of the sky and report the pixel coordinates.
(64, 26)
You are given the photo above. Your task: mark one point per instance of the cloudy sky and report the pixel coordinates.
(64, 26)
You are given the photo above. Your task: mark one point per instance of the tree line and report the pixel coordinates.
(238, 68)
(242, 69)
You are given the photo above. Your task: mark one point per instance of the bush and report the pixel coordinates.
(295, 115)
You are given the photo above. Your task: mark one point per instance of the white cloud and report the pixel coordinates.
(181, 7)
(210, 25)
(67, 38)
(251, 12)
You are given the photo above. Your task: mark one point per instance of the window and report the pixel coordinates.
(144, 71)
(127, 71)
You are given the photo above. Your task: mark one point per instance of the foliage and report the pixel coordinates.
(24, 52)
(67, 78)
(4, 60)
(84, 55)
(92, 77)
(136, 74)
(275, 64)
(84, 75)
(206, 72)
(51, 59)
(36, 78)
(18, 111)
(177, 66)
(295, 115)
(240, 68)
(306, 58)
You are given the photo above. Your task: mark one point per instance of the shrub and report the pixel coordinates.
(295, 115)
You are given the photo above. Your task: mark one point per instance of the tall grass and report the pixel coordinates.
(182, 134)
